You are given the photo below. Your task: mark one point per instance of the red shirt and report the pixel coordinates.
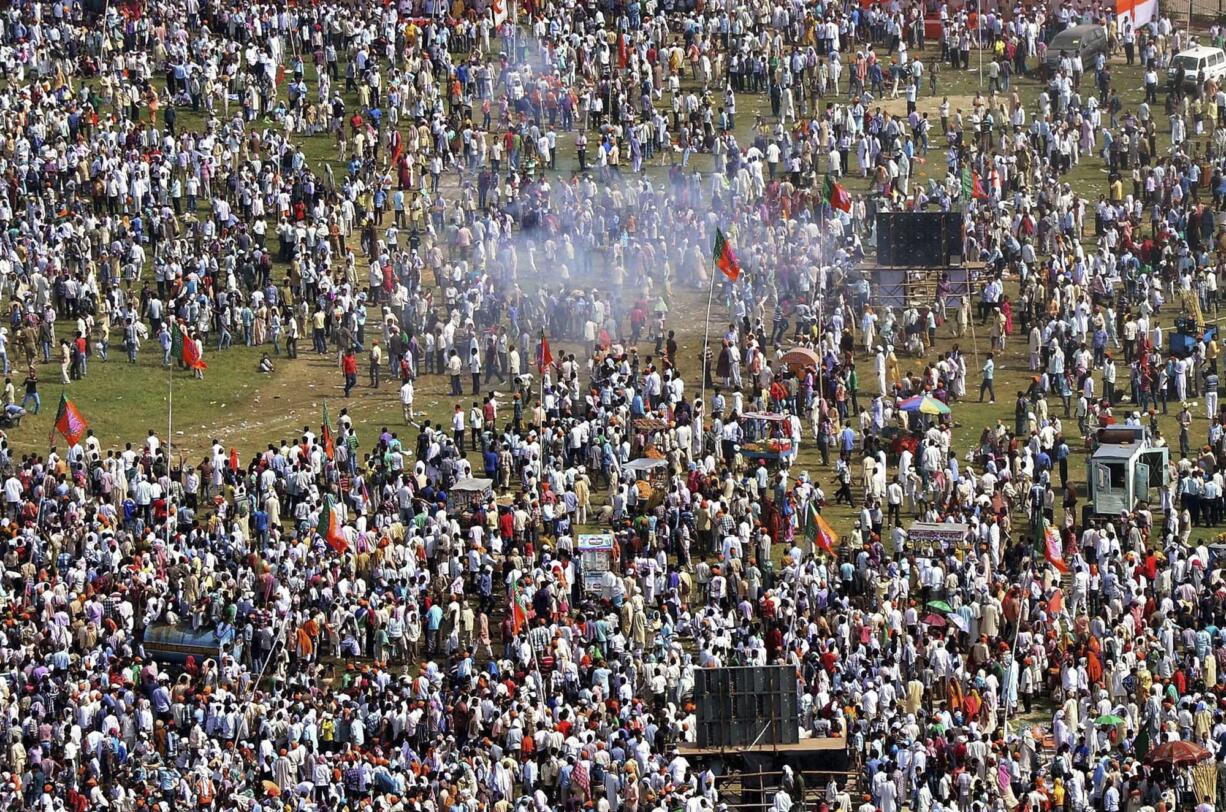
(349, 364)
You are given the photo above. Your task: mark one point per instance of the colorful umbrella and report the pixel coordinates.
(940, 606)
(1177, 754)
(1109, 719)
(924, 404)
(933, 619)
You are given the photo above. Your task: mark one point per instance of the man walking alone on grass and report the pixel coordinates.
(989, 375)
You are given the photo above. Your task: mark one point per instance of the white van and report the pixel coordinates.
(1200, 64)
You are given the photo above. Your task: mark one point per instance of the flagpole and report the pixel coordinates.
(1009, 674)
(821, 325)
(979, 37)
(54, 422)
(170, 423)
(970, 295)
(706, 341)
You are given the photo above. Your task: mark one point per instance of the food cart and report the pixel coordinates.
(595, 559)
(645, 430)
(768, 436)
(938, 537)
(650, 477)
(467, 495)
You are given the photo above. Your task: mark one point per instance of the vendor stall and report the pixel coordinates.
(927, 536)
(767, 437)
(464, 497)
(650, 478)
(645, 431)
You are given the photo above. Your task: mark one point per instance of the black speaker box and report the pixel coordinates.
(919, 238)
(746, 706)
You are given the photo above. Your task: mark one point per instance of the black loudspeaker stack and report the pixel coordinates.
(747, 706)
(920, 239)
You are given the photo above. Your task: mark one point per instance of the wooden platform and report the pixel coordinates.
(826, 744)
(905, 285)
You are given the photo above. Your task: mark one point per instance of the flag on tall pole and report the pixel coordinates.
(69, 423)
(835, 195)
(544, 357)
(724, 257)
(329, 529)
(326, 434)
(819, 532)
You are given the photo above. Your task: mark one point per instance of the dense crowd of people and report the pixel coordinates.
(340, 621)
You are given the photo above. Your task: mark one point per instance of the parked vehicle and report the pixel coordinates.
(1087, 40)
(1125, 470)
(1200, 64)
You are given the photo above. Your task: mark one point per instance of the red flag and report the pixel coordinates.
(623, 52)
(519, 618)
(329, 529)
(977, 188)
(835, 195)
(1055, 604)
(724, 257)
(234, 459)
(191, 354)
(280, 75)
(396, 141)
(68, 422)
(544, 358)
